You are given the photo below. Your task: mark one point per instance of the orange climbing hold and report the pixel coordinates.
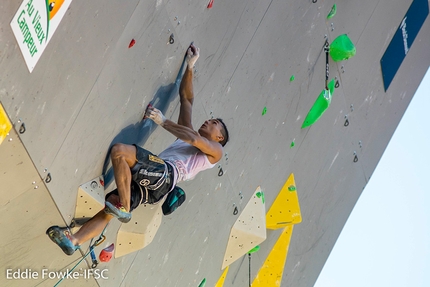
(106, 254)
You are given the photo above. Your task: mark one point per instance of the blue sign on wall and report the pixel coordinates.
(403, 39)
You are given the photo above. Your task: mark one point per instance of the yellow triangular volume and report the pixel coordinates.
(270, 274)
(286, 209)
(221, 280)
(5, 124)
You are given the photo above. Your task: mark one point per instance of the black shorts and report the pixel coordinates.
(152, 179)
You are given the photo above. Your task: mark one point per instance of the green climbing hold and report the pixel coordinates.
(292, 144)
(260, 194)
(292, 188)
(331, 86)
(342, 48)
(292, 78)
(255, 249)
(332, 12)
(264, 111)
(203, 283)
(320, 106)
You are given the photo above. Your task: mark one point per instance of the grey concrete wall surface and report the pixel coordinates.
(89, 90)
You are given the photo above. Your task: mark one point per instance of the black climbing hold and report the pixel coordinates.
(346, 123)
(314, 1)
(355, 158)
(48, 178)
(172, 39)
(337, 84)
(220, 172)
(22, 129)
(235, 212)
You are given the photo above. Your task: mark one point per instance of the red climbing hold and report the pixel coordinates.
(102, 182)
(146, 111)
(211, 2)
(106, 254)
(132, 42)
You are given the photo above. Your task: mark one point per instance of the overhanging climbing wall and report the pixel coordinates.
(90, 87)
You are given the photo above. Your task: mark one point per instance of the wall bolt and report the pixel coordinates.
(48, 178)
(235, 211)
(220, 172)
(22, 128)
(94, 184)
(346, 121)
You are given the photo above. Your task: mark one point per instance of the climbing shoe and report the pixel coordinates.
(62, 237)
(118, 211)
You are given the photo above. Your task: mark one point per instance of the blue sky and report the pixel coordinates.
(386, 240)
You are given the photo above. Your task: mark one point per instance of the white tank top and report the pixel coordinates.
(187, 159)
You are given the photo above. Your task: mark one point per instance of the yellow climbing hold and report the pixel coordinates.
(221, 280)
(5, 124)
(286, 209)
(270, 274)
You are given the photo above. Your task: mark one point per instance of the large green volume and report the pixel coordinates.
(342, 48)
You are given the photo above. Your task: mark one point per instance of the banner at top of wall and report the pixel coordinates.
(34, 25)
(403, 39)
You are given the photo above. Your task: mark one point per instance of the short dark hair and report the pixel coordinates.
(224, 132)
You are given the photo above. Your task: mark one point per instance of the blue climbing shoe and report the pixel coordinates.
(118, 211)
(62, 237)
